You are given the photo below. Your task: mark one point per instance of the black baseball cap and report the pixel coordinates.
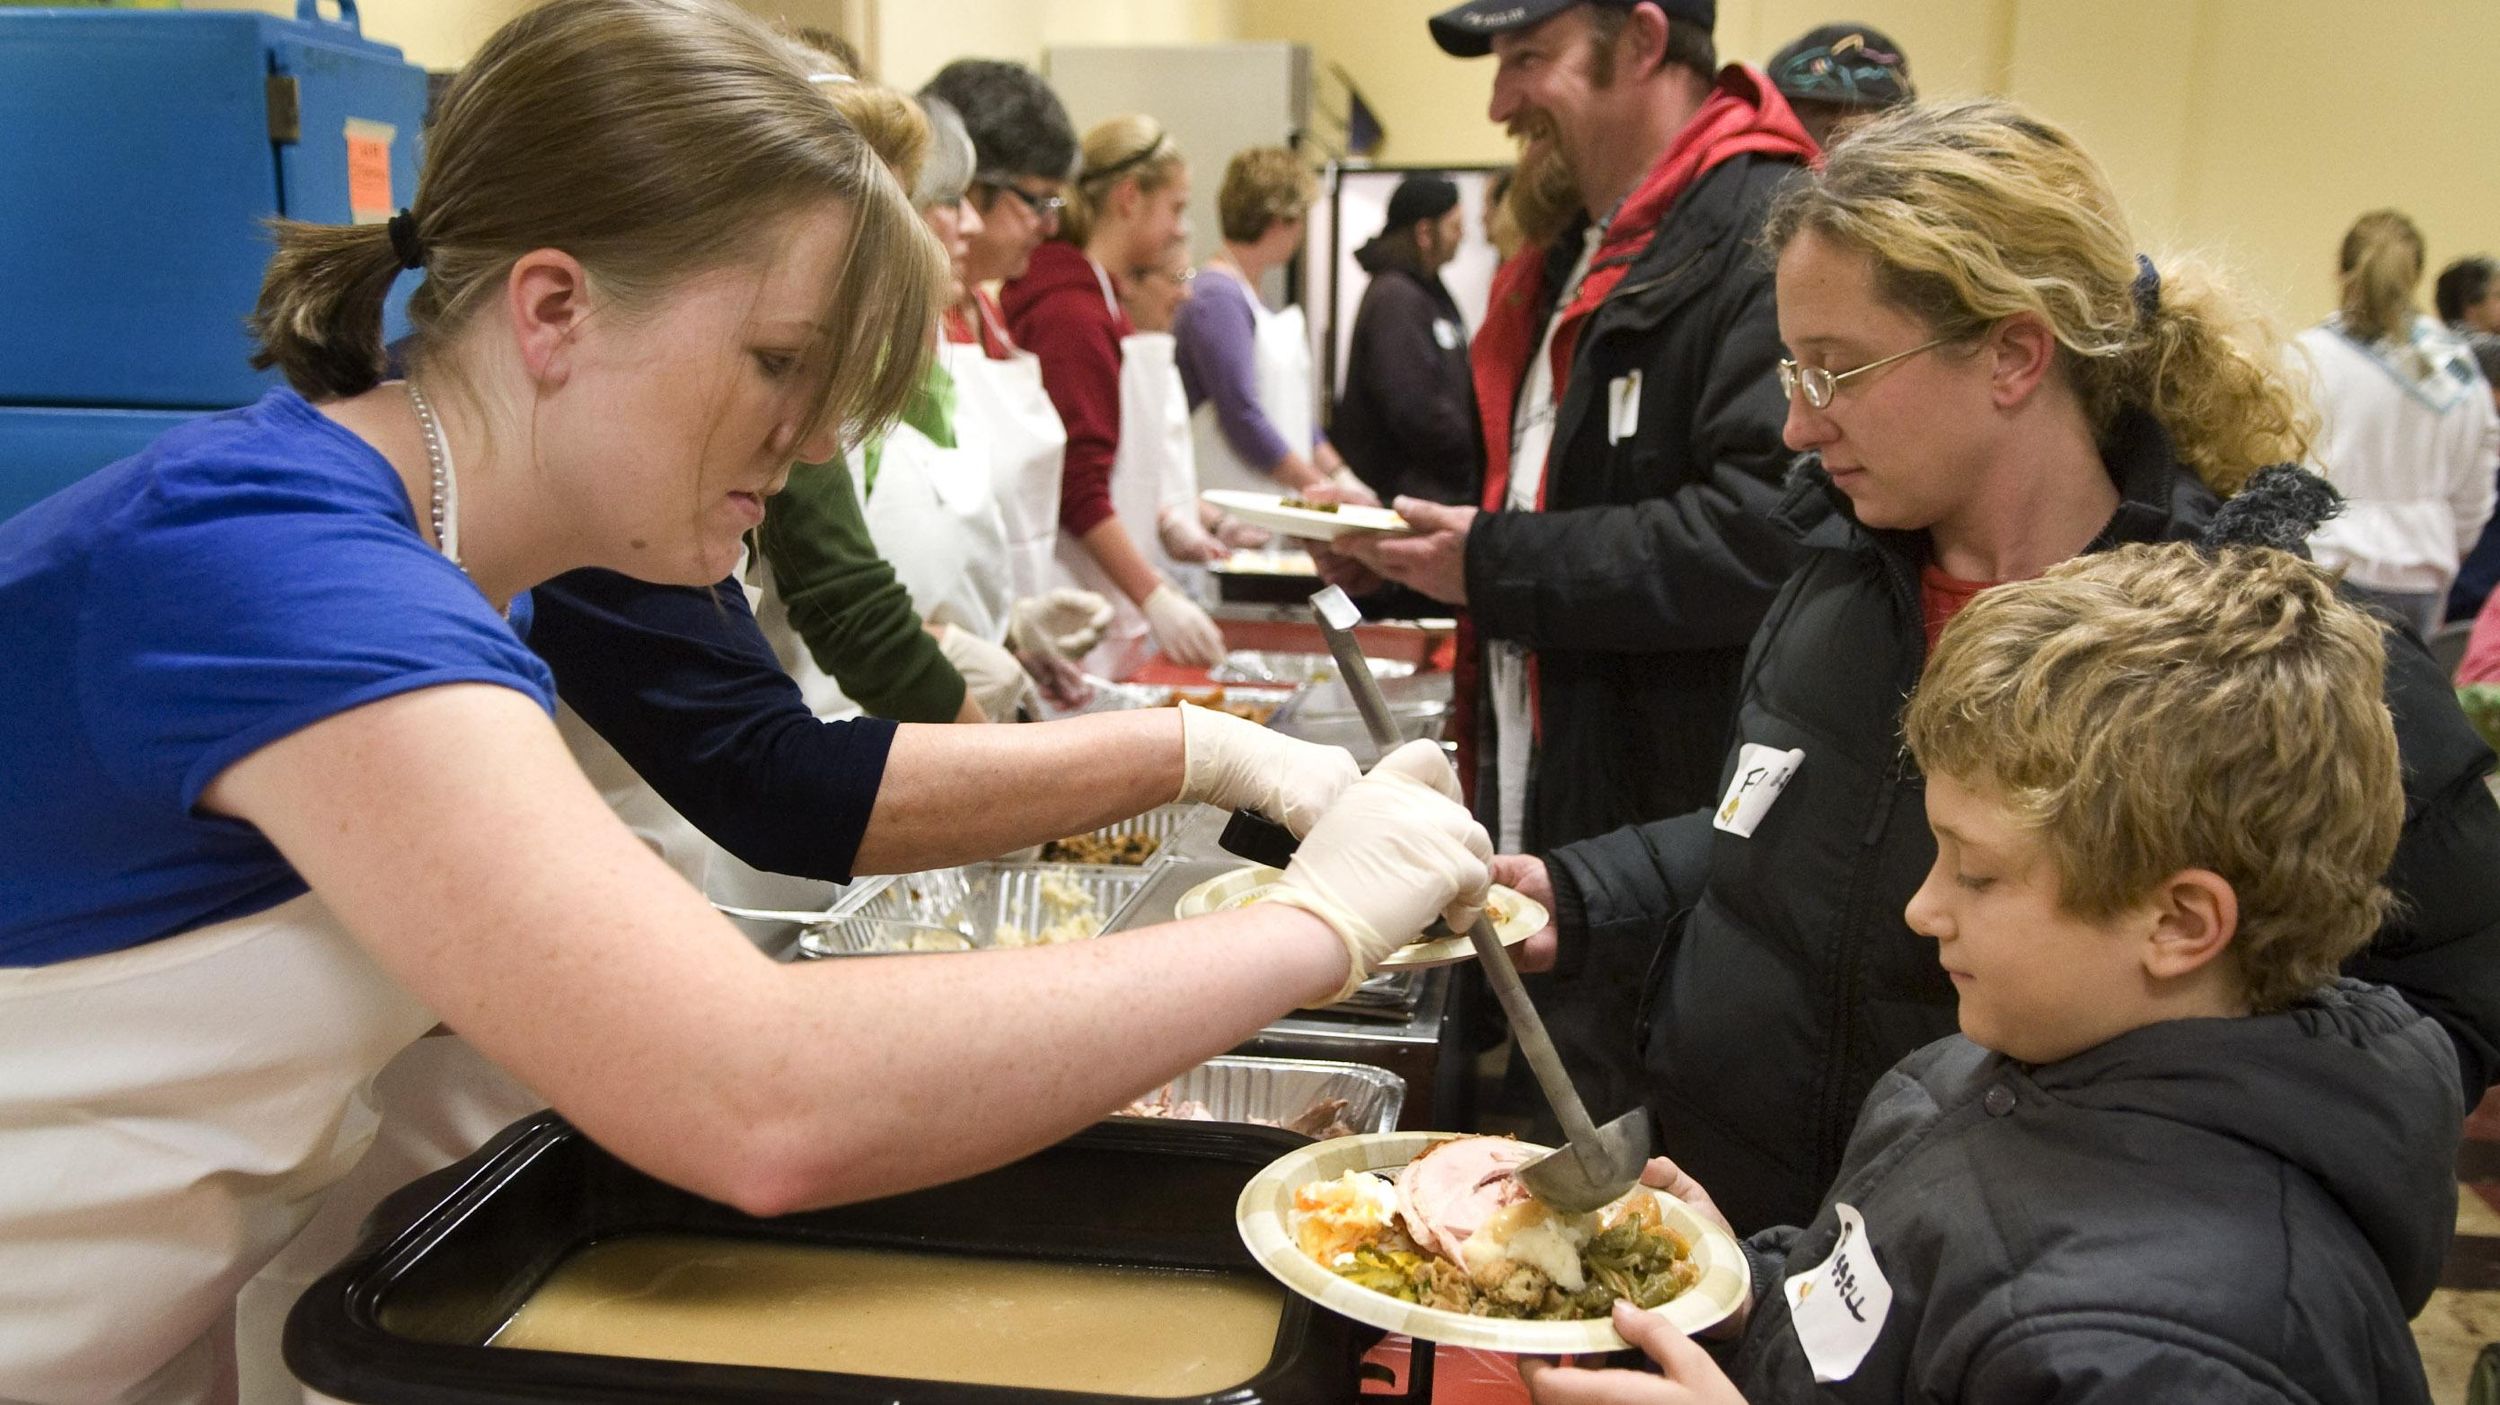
(1847, 65)
(1421, 197)
(1467, 30)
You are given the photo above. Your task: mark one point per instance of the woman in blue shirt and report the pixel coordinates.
(283, 791)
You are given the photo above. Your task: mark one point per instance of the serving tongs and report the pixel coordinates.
(1598, 1164)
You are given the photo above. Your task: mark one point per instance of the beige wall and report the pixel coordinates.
(2252, 129)
(437, 34)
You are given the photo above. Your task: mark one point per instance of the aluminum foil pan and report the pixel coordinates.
(1298, 1094)
(988, 904)
(1254, 666)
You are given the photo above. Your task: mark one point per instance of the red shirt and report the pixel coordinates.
(1941, 597)
(1061, 312)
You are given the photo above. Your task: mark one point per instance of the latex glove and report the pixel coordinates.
(1183, 631)
(1183, 539)
(1065, 622)
(1394, 852)
(1062, 681)
(1240, 535)
(1236, 764)
(991, 675)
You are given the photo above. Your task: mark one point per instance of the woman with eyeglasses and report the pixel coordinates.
(1126, 207)
(1987, 379)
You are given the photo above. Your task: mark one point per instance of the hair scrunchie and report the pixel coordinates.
(404, 240)
(2146, 288)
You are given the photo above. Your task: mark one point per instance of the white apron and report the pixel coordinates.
(170, 1115)
(438, 1100)
(1151, 467)
(1026, 444)
(935, 515)
(1281, 366)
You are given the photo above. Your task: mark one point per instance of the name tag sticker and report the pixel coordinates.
(1447, 333)
(1623, 407)
(1839, 1305)
(1761, 774)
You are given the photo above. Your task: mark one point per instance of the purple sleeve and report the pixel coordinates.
(1216, 341)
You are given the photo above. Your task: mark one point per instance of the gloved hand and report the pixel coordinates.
(1236, 764)
(1183, 631)
(1065, 622)
(991, 675)
(1061, 680)
(1231, 530)
(1184, 539)
(1395, 851)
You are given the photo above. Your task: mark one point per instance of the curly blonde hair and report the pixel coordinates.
(2151, 709)
(1975, 211)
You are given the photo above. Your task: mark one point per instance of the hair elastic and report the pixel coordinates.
(2147, 288)
(404, 240)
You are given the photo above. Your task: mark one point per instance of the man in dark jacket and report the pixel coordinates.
(1783, 981)
(2168, 1157)
(1406, 423)
(1631, 420)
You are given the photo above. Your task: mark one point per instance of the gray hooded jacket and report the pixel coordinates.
(2217, 1210)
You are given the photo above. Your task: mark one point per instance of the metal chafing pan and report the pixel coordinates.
(1284, 1092)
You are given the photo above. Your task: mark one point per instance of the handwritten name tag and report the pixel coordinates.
(1839, 1305)
(1761, 774)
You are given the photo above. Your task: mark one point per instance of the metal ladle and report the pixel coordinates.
(1598, 1164)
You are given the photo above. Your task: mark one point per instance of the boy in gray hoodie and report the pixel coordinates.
(2171, 1155)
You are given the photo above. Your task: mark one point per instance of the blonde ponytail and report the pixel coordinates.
(2381, 264)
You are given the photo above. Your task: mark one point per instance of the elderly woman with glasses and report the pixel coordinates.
(1987, 379)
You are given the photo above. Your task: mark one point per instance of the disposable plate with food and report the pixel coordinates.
(1516, 916)
(1454, 1251)
(1305, 520)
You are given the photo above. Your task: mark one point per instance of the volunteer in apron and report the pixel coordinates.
(317, 806)
(1189, 533)
(1248, 370)
(1125, 208)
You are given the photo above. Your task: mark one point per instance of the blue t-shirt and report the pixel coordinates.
(243, 577)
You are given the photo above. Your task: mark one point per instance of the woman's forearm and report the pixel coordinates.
(959, 794)
(1109, 543)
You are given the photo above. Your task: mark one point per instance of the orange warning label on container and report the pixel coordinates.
(369, 170)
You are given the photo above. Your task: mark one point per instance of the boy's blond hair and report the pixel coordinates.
(1263, 187)
(2152, 709)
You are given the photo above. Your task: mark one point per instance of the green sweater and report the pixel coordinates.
(854, 616)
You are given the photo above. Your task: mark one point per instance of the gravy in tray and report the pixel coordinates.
(930, 1317)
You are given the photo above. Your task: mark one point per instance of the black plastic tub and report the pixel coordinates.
(447, 1262)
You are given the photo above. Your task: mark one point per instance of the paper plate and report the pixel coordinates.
(1521, 916)
(1265, 1209)
(1269, 510)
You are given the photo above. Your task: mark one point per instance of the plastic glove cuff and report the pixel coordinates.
(1350, 929)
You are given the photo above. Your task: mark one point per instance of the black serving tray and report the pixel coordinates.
(447, 1261)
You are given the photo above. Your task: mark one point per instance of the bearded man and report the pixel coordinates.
(1630, 411)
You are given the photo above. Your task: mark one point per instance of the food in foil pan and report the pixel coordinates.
(1068, 914)
(1320, 1121)
(1245, 706)
(1128, 849)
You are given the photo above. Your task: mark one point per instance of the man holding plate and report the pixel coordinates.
(1622, 554)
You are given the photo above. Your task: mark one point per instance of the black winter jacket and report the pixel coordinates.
(1655, 558)
(2227, 1211)
(1407, 421)
(1784, 980)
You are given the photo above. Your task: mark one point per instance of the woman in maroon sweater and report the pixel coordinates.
(1125, 210)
